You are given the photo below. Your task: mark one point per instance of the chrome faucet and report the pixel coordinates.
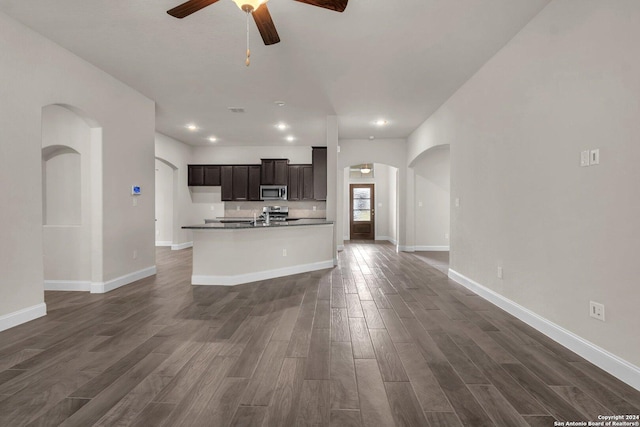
(266, 217)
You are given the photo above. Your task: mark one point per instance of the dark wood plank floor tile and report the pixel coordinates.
(360, 339)
(396, 330)
(400, 306)
(338, 298)
(374, 405)
(248, 416)
(301, 335)
(317, 366)
(425, 343)
(345, 418)
(443, 419)
(388, 360)
(284, 407)
(465, 405)
(340, 325)
(248, 359)
(344, 390)
(58, 413)
(354, 309)
(517, 396)
(465, 368)
(189, 375)
(425, 385)
(623, 390)
(287, 323)
(539, 420)
(581, 401)
(322, 319)
(559, 408)
(498, 408)
(154, 414)
(220, 409)
(405, 408)
(371, 315)
(260, 388)
(234, 322)
(314, 408)
(380, 299)
(101, 404)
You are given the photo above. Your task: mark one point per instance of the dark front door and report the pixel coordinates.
(362, 212)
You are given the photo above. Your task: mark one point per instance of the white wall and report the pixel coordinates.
(564, 234)
(66, 157)
(35, 73)
(164, 203)
(432, 200)
(250, 155)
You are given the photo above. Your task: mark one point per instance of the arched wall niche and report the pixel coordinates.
(72, 198)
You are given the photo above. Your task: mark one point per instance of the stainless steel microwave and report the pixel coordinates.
(273, 192)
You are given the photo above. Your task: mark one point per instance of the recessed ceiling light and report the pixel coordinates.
(291, 138)
(372, 137)
(380, 122)
(212, 139)
(236, 109)
(279, 103)
(192, 127)
(282, 126)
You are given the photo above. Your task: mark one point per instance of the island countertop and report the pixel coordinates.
(248, 224)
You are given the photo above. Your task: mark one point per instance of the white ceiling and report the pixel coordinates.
(392, 59)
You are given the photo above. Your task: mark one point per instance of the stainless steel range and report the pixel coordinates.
(275, 213)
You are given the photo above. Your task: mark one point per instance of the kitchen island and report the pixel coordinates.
(231, 253)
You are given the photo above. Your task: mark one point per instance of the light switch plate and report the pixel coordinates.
(584, 158)
(594, 158)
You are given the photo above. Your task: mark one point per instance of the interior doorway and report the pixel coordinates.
(362, 211)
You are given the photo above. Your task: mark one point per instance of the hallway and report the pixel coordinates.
(381, 340)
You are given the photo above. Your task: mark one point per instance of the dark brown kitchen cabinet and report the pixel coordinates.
(319, 160)
(254, 182)
(275, 172)
(240, 183)
(212, 175)
(226, 181)
(300, 186)
(204, 175)
(196, 175)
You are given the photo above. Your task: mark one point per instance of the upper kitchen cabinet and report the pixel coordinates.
(275, 172)
(226, 180)
(319, 160)
(300, 185)
(204, 175)
(196, 175)
(254, 182)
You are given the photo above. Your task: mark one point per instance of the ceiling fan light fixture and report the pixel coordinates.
(365, 170)
(249, 5)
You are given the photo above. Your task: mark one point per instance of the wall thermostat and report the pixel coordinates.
(136, 190)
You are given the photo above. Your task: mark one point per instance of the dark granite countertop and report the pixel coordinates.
(249, 224)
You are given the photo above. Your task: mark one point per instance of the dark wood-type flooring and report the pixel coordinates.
(383, 339)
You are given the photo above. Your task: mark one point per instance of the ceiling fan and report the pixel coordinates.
(259, 10)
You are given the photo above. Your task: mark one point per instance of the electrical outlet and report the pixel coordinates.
(500, 273)
(594, 158)
(284, 252)
(419, 204)
(584, 158)
(135, 254)
(135, 201)
(446, 236)
(238, 207)
(315, 208)
(457, 202)
(213, 208)
(596, 310)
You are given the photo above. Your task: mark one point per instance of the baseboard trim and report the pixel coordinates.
(67, 285)
(103, 287)
(163, 243)
(180, 246)
(22, 316)
(600, 357)
(340, 247)
(432, 248)
(260, 275)
(406, 248)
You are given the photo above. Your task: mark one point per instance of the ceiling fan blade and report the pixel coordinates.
(337, 5)
(186, 9)
(265, 25)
